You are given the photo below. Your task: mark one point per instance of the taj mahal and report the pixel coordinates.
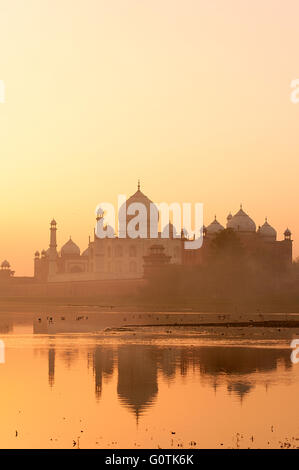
(118, 258)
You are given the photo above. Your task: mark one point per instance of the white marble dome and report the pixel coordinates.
(70, 248)
(214, 227)
(141, 198)
(128, 211)
(241, 222)
(267, 231)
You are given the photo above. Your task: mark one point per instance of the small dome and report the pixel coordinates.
(36, 254)
(267, 231)
(43, 253)
(241, 222)
(53, 222)
(5, 264)
(85, 252)
(214, 227)
(70, 248)
(287, 232)
(229, 217)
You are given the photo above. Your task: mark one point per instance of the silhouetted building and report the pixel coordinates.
(122, 258)
(108, 258)
(261, 243)
(137, 377)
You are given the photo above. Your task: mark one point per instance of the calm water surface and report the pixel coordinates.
(146, 387)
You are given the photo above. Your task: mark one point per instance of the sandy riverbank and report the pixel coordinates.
(119, 316)
(88, 321)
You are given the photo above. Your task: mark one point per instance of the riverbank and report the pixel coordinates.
(116, 316)
(86, 320)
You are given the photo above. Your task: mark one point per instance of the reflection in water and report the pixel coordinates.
(241, 361)
(102, 365)
(51, 365)
(240, 388)
(6, 326)
(242, 368)
(100, 384)
(239, 368)
(167, 362)
(69, 356)
(137, 384)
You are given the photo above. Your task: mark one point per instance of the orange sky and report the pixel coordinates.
(191, 96)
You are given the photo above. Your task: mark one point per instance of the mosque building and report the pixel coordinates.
(110, 258)
(258, 242)
(117, 258)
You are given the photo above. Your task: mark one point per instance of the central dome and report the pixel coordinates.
(241, 222)
(131, 212)
(139, 196)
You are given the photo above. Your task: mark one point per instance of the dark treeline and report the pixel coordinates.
(229, 278)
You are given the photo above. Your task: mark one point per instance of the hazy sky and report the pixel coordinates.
(190, 96)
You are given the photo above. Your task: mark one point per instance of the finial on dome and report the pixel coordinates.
(215, 217)
(241, 206)
(266, 219)
(138, 185)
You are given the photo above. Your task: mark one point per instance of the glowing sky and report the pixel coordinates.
(192, 97)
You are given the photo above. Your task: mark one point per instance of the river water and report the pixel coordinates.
(147, 387)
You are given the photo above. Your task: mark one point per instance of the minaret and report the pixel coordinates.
(53, 242)
(288, 248)
(36, 264)
(53, 249)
